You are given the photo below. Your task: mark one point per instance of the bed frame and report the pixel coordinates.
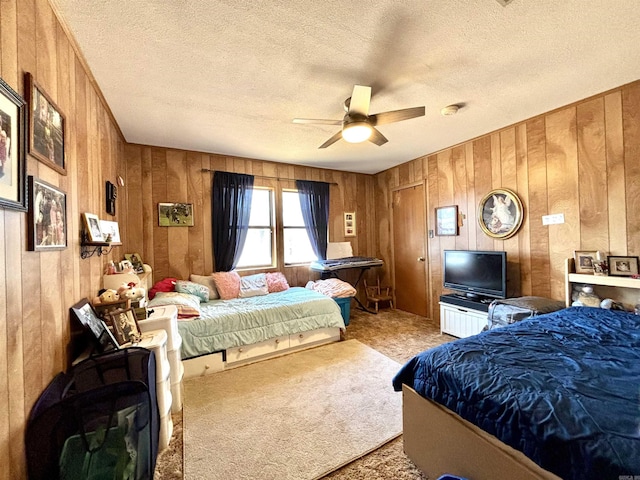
(256, 352)
(438, 441)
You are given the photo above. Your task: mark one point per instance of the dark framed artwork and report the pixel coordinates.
(585, 260)
(46, 127)
(622, 266)
(175, 214)
(13, 149)
(100, 334)
(500, 213)
(47, 217)
(447, 220)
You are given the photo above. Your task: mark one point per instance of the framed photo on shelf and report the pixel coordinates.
(447, 220)
(101, 336)
(136, 261)
(92, 228)
(13, 149)
(46, 127)
(585, 260)
(622, 266)
(110, 231)
(175, 214)
(47, 218)
(500, 213)
(125, 326)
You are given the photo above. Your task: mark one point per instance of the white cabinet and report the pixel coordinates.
(166, 318)
(461, 321)
(156, 341)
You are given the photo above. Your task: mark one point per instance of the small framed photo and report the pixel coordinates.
(46, 127)
(13, 149)
(47, 218)
(125, 326)
(623, 266)
(102, 337)
(136, 261)
(350, 224)
(447, 220)
(585, 260)
(110, 231)
(175, 214)
(92, 228)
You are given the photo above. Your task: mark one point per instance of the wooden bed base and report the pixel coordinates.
(438, 441)
(246, 354)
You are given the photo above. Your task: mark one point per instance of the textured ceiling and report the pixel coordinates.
(229, 76)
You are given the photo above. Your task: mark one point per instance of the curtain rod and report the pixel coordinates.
(263, 176)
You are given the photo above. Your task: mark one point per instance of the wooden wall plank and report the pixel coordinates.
(524, 236)
(631, 129)
(615, 173)
(592, 163)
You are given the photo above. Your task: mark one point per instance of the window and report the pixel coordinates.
(258, 248)
(297, 247)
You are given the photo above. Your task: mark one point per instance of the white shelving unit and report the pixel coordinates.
(621, 289)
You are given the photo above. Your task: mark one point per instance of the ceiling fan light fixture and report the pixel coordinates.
(356, 132)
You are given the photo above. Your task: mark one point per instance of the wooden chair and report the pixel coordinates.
(377, 293)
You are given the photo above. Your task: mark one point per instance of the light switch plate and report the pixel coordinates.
(553, 219)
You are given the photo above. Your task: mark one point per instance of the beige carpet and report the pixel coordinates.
(295, 417)
(396, 334)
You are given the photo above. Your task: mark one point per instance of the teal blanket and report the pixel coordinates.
(242, 321)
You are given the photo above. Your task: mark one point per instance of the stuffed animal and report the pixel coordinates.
(108, 296)
(130, 291)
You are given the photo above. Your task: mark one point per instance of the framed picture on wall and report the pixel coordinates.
(47, 219)
(13, 149)
(350, 224)
(447, 220)
(46, 127)
(175, 214)
(500, 213)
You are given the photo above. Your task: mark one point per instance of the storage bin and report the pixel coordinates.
(345, 308)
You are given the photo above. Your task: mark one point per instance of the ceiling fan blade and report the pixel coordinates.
(332, 140)
(396, 115)
(377, 138)
(317, 121)
(360, 100)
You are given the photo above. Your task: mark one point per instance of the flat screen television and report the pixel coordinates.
(476, 273)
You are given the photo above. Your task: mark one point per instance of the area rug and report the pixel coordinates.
(295, 417)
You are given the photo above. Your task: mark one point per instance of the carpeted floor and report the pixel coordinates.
(396, 334)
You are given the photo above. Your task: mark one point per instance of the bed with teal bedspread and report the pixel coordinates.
(232, 323)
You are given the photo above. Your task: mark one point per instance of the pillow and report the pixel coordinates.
(227, 284)
(165, 285)
(208, 281)
(253, 285)
(200, 291)
(277, 282)
(188, 305)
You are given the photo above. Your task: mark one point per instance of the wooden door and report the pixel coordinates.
(409, 248)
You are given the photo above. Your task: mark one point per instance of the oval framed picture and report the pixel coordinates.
(500, 213)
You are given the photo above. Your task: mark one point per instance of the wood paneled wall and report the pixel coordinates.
(155, 175)
(37, 289)
(582, 160)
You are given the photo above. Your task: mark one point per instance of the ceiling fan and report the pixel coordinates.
(357, 124)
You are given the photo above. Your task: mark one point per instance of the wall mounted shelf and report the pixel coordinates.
(89, 249)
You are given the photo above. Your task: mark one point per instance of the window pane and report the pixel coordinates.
(297, 247)
(260, 208)
(257, 249)
(291, 211)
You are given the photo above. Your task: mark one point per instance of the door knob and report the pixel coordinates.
(421, 259)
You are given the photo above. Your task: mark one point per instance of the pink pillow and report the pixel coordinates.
(277, 282)
(227, 284)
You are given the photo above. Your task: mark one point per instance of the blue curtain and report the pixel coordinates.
(314, 202)
(230, 210)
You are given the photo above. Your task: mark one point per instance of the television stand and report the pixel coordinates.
(461, 316)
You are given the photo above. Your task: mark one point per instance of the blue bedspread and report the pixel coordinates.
(563, 388)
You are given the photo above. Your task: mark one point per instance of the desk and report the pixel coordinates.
(330, 268)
